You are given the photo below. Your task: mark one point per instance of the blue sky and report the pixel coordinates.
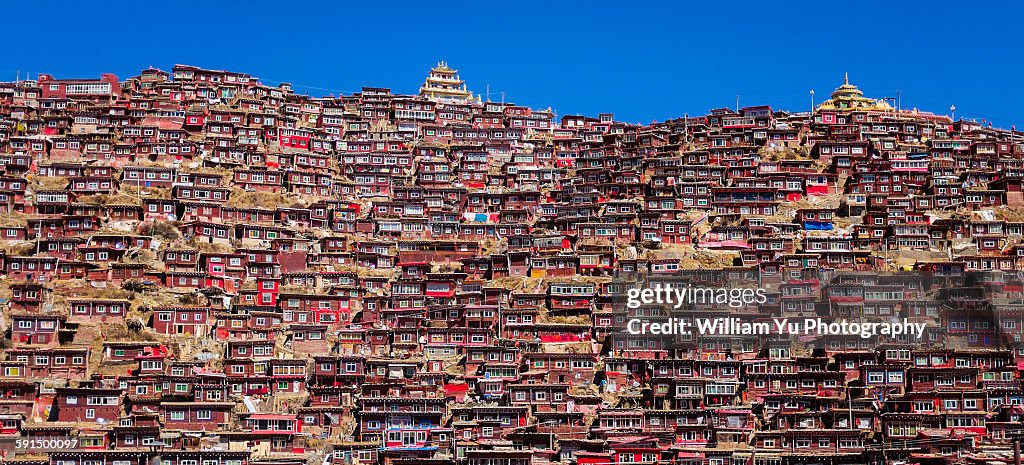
(642, 61)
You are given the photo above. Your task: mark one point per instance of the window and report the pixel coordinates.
(848, 443)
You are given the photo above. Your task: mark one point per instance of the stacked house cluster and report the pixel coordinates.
(202, 269)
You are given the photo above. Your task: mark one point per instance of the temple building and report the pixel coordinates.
(444, 85)
(848, 97)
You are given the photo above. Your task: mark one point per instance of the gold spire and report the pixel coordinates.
(846, 79)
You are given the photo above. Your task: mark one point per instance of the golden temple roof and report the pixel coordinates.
(444, 84)
(848, 97)
(442, 66)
